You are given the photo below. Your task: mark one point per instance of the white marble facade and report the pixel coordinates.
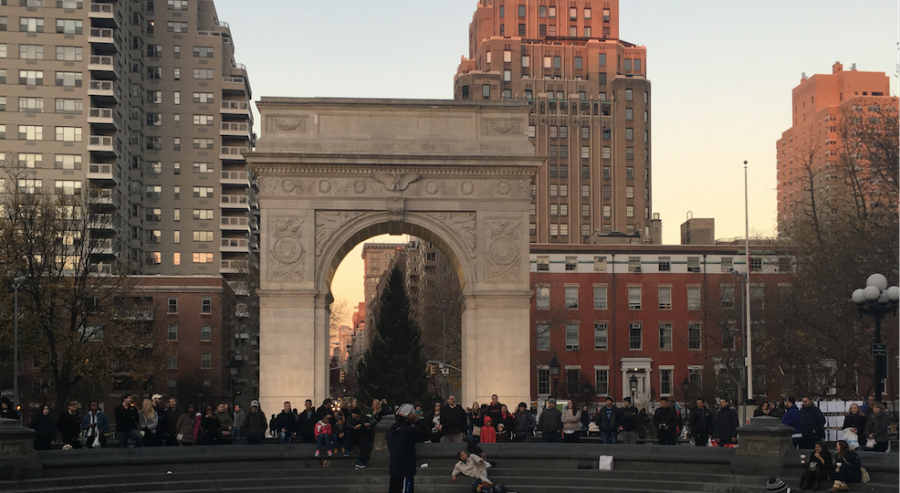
(334, 172)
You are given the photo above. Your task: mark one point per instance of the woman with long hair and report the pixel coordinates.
(476, 421)
(846, 467)
(210, 428)
(148, 420)
(762, 410)
(818, 468)
(876, 434)
(44, 429)
(854, 426)
(571, 421)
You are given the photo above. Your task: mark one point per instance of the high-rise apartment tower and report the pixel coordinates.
(591, 110)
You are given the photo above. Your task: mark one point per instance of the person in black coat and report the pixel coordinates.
(453, 421)
(285, 424)
(7, 409)
(607, 419)
(325, 410)
(401, 440)
(44, 429)
(702, 424)
(628, 422)
(524, 423)
(665, 419)
(820, 465)
(812, 424)
(69, 426)
(727, 423)
(433, 420)
(849, 469)
(306, 422)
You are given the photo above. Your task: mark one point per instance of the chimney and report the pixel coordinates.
(656, 229)
(837, 67)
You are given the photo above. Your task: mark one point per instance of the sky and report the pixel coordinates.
(721, 73)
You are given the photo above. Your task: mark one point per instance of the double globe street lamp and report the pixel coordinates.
(877, 300)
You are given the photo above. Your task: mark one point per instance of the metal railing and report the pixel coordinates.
(234, 175)
(101, 85)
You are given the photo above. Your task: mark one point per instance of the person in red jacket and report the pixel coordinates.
(323, 435)
(488, 433)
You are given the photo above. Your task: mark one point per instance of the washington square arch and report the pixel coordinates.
(334, 172)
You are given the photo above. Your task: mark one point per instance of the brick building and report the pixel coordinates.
(809, 152)
(591, 110)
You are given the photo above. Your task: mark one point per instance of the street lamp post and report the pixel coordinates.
(877, 300)
(746, 373)
(17, 283)
(748, 359)
(685, 387)
(554, 372)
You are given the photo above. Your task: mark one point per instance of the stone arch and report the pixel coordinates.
(423, 226)
(334, 172)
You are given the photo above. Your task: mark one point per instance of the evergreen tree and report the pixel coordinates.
(393, 367)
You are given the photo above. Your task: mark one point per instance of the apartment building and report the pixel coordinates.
(140, 108)
(591, 111)
(808, 153)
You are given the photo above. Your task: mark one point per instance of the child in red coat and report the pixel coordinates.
(323, 435)
(488, 433)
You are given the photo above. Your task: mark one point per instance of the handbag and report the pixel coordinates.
(476, 431)
(865, 475)
(851, 438)
(870, 443)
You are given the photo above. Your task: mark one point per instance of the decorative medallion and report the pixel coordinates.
(359, 187)
(503, 188)
(503, 254)
(468, 188)
(288, 185)
(324, 186)
(432, 188)
(282, 124)
(286, 255)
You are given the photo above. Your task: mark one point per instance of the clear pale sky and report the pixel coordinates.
(721, 73)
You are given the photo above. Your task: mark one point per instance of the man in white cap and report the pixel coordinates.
(257, 425)
(401, 441)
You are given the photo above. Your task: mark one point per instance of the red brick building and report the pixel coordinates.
(660, 313)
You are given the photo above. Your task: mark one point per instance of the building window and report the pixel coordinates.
(665, 297)
(543, 263)
(571, 263)
(727, 264)
(601, 336)
(728, 332)
(172, 362)
(543, 337)
(665, 381)
(205, 333)
(206, 306)
(695, 376)
(600, 300)
(693, 298)
(600, 264)
(665, 337)
(205, 360)
(203, 258)
(173, 333)
(693, 264)
(634, 264)
(755, 264)
(728, 296)
(571, 297)
(634, 297)
(602, 376)
(694, 337)
(486, 91)
(173, 305)
(543, 381)
(571, 337)
(635, 338)
(665, 264)
(543, 297)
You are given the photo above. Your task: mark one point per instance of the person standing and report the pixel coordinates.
(812, 425)
(162, 425)
(401, 440)
(702, 424)
(571, 420)
(306, 420)
(184, 427)
(44, 429)
(127, 423)
(69, 426)
(877, 429)
(7, 409)
(172, 415)
(453, 421)
(285, 424)
(866, 408)
(210, 428)
(854, 426)
(727, 423)
(95, 425)
(238, 425)
(493, 409)
(256, 424)
(524, 423)
(791, 417)
(148, 422)
(550, 423)
(628, 422)
(665, 419)
(607, 420)
(225, 421)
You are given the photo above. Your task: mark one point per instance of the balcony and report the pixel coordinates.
(235, 85)
(239, 245)
(101, 143)
(101, 88)
(232, 153)
(101, 116)
(102, 222)
(235, 202)
(103, 66)
(235, 129)
(233, 266)
(102, 11)
(101, 196)
(234, 223)
(103, 39)
(102, 247)
(235, 108)
(101, 269)
(235, 178)
(101, 171)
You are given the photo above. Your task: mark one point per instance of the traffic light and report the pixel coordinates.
(343, 374)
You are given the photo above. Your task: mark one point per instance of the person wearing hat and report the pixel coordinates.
(256, 427)
(775, 485)
(550, 423)
(401, 441)
(358, 427)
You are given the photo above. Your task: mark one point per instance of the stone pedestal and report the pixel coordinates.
(764, 445)
(18, 460)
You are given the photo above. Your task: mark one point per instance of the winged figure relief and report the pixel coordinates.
(396, 182)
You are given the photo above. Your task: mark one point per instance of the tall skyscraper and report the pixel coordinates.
(591, 110)
(809, 153)
(141, 108)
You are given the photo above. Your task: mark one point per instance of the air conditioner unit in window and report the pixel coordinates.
(637, 270)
